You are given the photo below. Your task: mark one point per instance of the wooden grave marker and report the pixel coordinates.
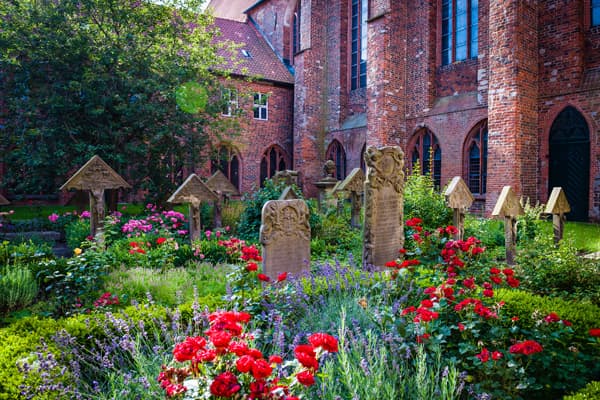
(459, 199)
(223, 188)
(95, 177)
(354, 184)
(558, 206)
(509, 207)
(383, 231)
(193, 191)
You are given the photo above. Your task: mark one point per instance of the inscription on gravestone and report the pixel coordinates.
(383, 225)
(285, 237)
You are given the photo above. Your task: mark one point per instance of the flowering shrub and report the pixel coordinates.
(223, 363)
(457, 309)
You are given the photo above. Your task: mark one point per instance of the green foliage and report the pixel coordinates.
(336, 238)
(18, 288)
(530, 223)
(76, 232)
(590, 392)
(26, 253)
(423, 201)
(558, 270)
(100, 77)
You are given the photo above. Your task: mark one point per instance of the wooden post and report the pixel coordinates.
(195, 224)
(354, 184)
(508, 206)
(459, 199)
(223, 188)
(558, 206)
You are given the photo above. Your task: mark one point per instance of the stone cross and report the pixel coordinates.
(558, 206)
(221, 185)
(96, 176)
(384, 201)
(285, 237)
(459, 199)
(354, 184)
(193, 191)
(509, 207)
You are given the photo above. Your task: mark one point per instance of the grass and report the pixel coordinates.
(585, 236)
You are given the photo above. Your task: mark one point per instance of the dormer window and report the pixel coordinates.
(246, 53)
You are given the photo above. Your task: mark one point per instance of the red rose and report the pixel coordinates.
(205, 355)
(488, 293)
(484, 356)
(251, 266)
(225, 385)
(261, 369)
(494, 271)
(325, 341)
(275, 359)
(306, 356)
(427, 303)
(552, 317)
(496, 355)
(244, 363)
(508, 271)
(238, 348)
(496, 279)
(282, 277)
(263, 278)
(527, 347)
(184, 351)
(160, 240)
(306, 378)
(595, 332)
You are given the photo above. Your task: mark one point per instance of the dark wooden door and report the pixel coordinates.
(570, 161)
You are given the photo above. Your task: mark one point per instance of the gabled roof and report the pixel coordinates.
(231, 9)
(257, 58)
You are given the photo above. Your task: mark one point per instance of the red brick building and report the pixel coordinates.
(503, 92)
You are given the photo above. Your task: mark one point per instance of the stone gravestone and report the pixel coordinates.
(354, 184)
(558, 206)
(326, 184)
(193, 191)
(96, 176)
(508, 206)
(288, 194)
(383, 229)
(285, 237)
(288, 177)
(221, 185)
(459, 199)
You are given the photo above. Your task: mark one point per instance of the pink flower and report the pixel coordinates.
(85, 214)
(53, 217)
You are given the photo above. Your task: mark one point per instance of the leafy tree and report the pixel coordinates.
(125, 79)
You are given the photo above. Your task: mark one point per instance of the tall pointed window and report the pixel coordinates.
(595, 12)
(296, 29)
(358, 53)
(460, 29)
(273, 160)
(427, 152)
(336, 152)
(227, 161)
(476, 149)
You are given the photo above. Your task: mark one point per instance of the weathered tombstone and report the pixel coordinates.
(354, 184)
(509, 207)
(288, 177)
(558, 206)
(459, 199)
(326, 184)
(289, 194)
(285, 237)
(193, 191)
(3, 201)
(96, 176)
(384, 188)
(221, 185)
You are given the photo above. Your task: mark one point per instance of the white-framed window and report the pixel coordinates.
(230, 102)
(261, 106)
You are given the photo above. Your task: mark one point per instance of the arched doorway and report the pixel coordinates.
(570, 161)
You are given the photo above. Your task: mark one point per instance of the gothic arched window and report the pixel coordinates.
(426, 150)
(336, 152)
(274, 159)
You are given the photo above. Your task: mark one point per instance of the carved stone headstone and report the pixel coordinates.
(193, 191)
(96, 176)
(3, 201)
(288, 194)
(354, 185)
(285, 237)
(221, 185)
(509, 207)
(384, 189)
(459, 199)
(558, 206)
(288, 177)
(326, 184)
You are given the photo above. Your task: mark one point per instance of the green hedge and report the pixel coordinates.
(590, 392)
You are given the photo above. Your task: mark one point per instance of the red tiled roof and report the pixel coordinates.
(231, 9)
(257, 58)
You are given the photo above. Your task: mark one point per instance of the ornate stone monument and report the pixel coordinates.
(459, 199)
(285, 237)
(224, 189)
(96, 176)
(289, 194)
(326, 184)
(193, 191)
(354, 185)
(509, 207)
(384, 201)
(558, 206)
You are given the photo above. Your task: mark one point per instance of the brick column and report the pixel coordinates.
(386, 73)
(513, 99)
